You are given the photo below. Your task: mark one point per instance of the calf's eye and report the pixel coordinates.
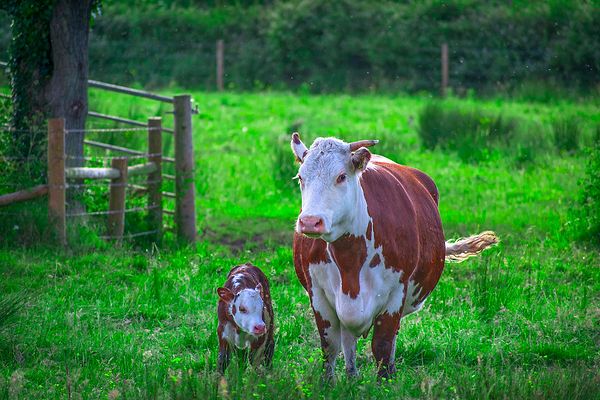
(243, 310)
(341, 178)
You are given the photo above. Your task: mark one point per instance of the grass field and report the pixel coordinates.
(521, 321)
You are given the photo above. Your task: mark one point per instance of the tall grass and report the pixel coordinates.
(567, 133)
(284, 166)
(473, 133)
(10, 305)
(590, 195)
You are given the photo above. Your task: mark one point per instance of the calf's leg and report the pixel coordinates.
(224, 355)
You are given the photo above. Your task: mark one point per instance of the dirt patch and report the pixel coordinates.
(249, 234)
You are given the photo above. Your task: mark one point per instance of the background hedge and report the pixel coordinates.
(346, 45)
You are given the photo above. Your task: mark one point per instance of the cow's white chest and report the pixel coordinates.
(380, 291)
(240, 340)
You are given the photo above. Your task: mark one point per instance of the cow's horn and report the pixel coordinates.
(298, 147)
(362, 143)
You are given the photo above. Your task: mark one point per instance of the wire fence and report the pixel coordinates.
(132, 184)
(77, 177)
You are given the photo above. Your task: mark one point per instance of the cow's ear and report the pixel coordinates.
(298, 147)
(360, 158)
(225, 294)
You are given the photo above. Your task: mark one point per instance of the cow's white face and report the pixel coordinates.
(246, 308)
(329, 182)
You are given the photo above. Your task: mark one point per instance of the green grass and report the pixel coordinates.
(521, 321)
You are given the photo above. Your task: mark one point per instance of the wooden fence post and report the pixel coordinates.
(56, 178)
(185, 207)
(444, 86)
(155, 178)
(220, 65)
(118, 186)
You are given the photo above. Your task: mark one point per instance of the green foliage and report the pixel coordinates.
(567, 133)
(350, 45)
(30, 67)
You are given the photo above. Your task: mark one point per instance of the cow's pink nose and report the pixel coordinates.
(312, 224)
(260, 329)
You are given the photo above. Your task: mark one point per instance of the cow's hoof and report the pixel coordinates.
(352, 372)
(386, 373)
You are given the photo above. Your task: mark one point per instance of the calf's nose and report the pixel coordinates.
(311, 224)
(260, 329)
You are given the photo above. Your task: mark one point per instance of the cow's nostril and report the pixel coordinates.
(311, 224)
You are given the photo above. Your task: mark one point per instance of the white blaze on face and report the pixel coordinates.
(248, 310)
(329, 182)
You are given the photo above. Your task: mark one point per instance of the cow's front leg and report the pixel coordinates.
(349, 348)
(329, 332)
(384, 343)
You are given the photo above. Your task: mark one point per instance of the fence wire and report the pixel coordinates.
(104, 184)
(130, 157)
(26, 159)
(112, 130)
(109, 212)
(85, 158)
(130, 235)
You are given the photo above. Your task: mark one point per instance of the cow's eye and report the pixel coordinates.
(243, 310)
(341, 178)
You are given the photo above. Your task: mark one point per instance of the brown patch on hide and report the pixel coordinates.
(322, 324)
(375, 261)
(349, 253)
(308, 251)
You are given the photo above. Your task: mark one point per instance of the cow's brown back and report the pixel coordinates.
(408, 222)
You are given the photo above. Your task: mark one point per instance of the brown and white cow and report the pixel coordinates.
(369, 246)
(246, 318)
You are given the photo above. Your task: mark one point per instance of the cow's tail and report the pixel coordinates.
(461, 249)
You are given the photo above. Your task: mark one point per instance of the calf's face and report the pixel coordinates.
(246, 308)
(329, 182)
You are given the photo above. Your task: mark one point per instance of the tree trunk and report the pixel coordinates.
(66, 92)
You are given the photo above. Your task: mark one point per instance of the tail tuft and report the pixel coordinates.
(461, 249)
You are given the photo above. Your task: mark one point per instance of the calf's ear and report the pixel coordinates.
(259, 287)
(298, 147)
(360, 158)
(225, 294)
